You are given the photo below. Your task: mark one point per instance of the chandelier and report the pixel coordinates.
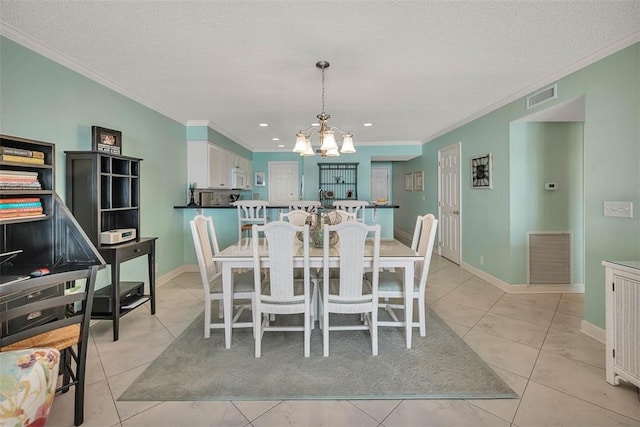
(326, 134)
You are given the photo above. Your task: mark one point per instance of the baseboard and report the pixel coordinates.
(593, 331)
(577, 288)
(402, 236)
(161, 280)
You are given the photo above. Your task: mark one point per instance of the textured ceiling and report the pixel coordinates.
(414, 69)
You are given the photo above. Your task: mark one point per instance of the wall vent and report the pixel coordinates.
(550, 92)
(549, 258)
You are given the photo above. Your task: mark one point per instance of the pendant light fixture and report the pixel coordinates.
(326, 134)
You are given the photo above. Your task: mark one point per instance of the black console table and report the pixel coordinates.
(121, 303)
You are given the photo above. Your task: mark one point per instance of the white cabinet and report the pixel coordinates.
(623, 321)
(209, 166)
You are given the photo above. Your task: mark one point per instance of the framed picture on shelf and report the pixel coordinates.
(418, 181)
(106, 140)
(481, 173)
(408, 181)
(260, 179)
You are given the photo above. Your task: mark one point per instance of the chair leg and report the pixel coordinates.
(422, 317)
(78, 418)
(374, 331)
(220, 309)
(307, 334)
(207, 319)
(325, 334)
(257, 333)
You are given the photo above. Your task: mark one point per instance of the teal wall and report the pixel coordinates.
(611, 151)
(541, 153)
(43, 100)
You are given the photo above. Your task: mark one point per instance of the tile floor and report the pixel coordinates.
(532, 341)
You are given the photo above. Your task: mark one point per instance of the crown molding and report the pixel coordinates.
(576, 66)
(19, 37)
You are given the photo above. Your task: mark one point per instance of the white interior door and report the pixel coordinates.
(283, 182)
(379, 183)
(449, 201)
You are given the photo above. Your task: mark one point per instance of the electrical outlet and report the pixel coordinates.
(619, 209)
(481, 260)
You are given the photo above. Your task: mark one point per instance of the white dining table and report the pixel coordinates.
(393, 254)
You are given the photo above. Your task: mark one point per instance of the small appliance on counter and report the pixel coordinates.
(233, 197)
(120, 235)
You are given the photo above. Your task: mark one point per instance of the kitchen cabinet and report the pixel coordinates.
(622, 289)
(209, 165)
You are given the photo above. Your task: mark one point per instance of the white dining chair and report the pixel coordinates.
(337, 216)
(206, 245)
(391, 283)
(351, 292)
(296, 217)
(310, 206)
(250, 212)
(279, 292)
(356, 207)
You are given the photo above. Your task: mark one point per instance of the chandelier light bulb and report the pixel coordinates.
(300, 143)
(347, 144)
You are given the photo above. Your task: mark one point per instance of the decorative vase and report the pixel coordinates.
(316, 231)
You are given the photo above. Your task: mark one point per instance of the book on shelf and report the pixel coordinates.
(20, 159)
(18, 178)
(4, 206)
(21, 215)
(21, 152)
(19, 173)
(20, 200)
(20, 186)
(37, 209)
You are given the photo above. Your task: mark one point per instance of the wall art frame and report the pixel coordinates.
(106, 140)
(482, 171)
(418, 181)
(260, 179)
(408, 182)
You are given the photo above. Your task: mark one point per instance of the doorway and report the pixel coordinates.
(379, 183)
(449, 202)
(283, 182)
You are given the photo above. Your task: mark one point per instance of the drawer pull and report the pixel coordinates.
(34, 315)
(33, 295)
(136, 250)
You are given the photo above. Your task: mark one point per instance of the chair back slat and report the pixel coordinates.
(306, 205)
(296, 217)
(352, 237)
(205, 243)
(356, 207)
(429, 226)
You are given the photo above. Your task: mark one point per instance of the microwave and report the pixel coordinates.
(238, 179)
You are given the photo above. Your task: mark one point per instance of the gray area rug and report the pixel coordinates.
(440, 365)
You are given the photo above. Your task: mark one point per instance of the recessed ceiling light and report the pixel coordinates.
(367, 125)
(280, 145)
(263, 125)
(275, 139)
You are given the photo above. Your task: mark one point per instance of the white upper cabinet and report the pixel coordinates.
(209, 166)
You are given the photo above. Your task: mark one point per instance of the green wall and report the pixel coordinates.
(611, 144)
(43, 100)
(541, 153)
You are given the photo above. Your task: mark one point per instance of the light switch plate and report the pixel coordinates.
(619, 209)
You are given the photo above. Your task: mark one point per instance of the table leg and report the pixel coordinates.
(226, 299)
(151, 258)
(115, 295)
(408, 302)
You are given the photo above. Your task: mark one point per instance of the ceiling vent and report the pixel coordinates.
(541, 96)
